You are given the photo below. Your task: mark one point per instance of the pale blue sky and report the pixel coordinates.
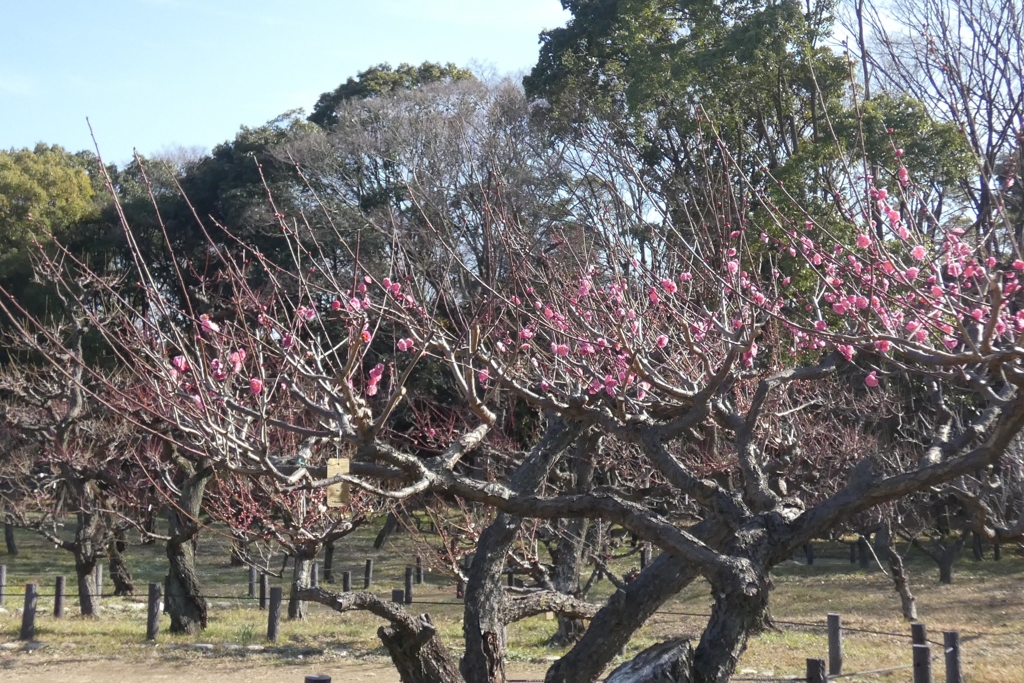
(151, 74)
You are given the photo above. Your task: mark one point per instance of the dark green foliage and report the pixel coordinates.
(381, 80)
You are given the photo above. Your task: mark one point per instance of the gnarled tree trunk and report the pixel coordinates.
(120, 574)
(185, 602)
(300, 579)
(415, 648)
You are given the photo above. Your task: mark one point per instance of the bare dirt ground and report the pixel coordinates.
(24, 668)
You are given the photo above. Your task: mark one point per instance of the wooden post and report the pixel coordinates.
(58, 598)
(419, 570)
(318, 678)
(368, 574)
(511, 578)
(264, 590)
(816, 671)
(835, 645)
(954, 670)
(274, 615)
(997, 552)
(252, 581)
(153, 613)
(408, 585)
(12, 546)
(314, 575)
(918, 633)
(460, 589)
(346, 582)
(3, 584)
(398, 596)
(28, 615)
(922, 664)
(809, 553)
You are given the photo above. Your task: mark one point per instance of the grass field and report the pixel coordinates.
(985, 603)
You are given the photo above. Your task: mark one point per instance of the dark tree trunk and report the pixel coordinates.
(185, 602)
(300, 579)
(415, 648)
(668, 662)
(86, 549)
(627, 611)
(483, 619)
(886, 547)
(120, 574)
(740, 611)
(419, 658)
(390, 527)
(85, 566)
(568, 556)
(977, 549)
(329, 562)
(863, 552)
(12, 545)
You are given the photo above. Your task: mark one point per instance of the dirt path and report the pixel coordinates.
(38, 670)
(24, 668)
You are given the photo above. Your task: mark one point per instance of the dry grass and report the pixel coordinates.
(985, 604)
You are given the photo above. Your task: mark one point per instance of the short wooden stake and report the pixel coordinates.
(398, 596)
(368, 574)
(918, 633)
(28, 615)
(954, 669)
(835, 645)
(408, 585)
(264, 590)
(274, 615)
(922, 664)
(153, 612)
(511, 578)
(252, 581)
(58, 597)
(419, 570)
(816, 671)
(3, 584)
(346, 582)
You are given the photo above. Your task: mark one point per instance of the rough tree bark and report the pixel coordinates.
(120, 574)
(569, 551)
(304, 557)
(484, 619)
(12, 545)
(415, 648)
(185, 602)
